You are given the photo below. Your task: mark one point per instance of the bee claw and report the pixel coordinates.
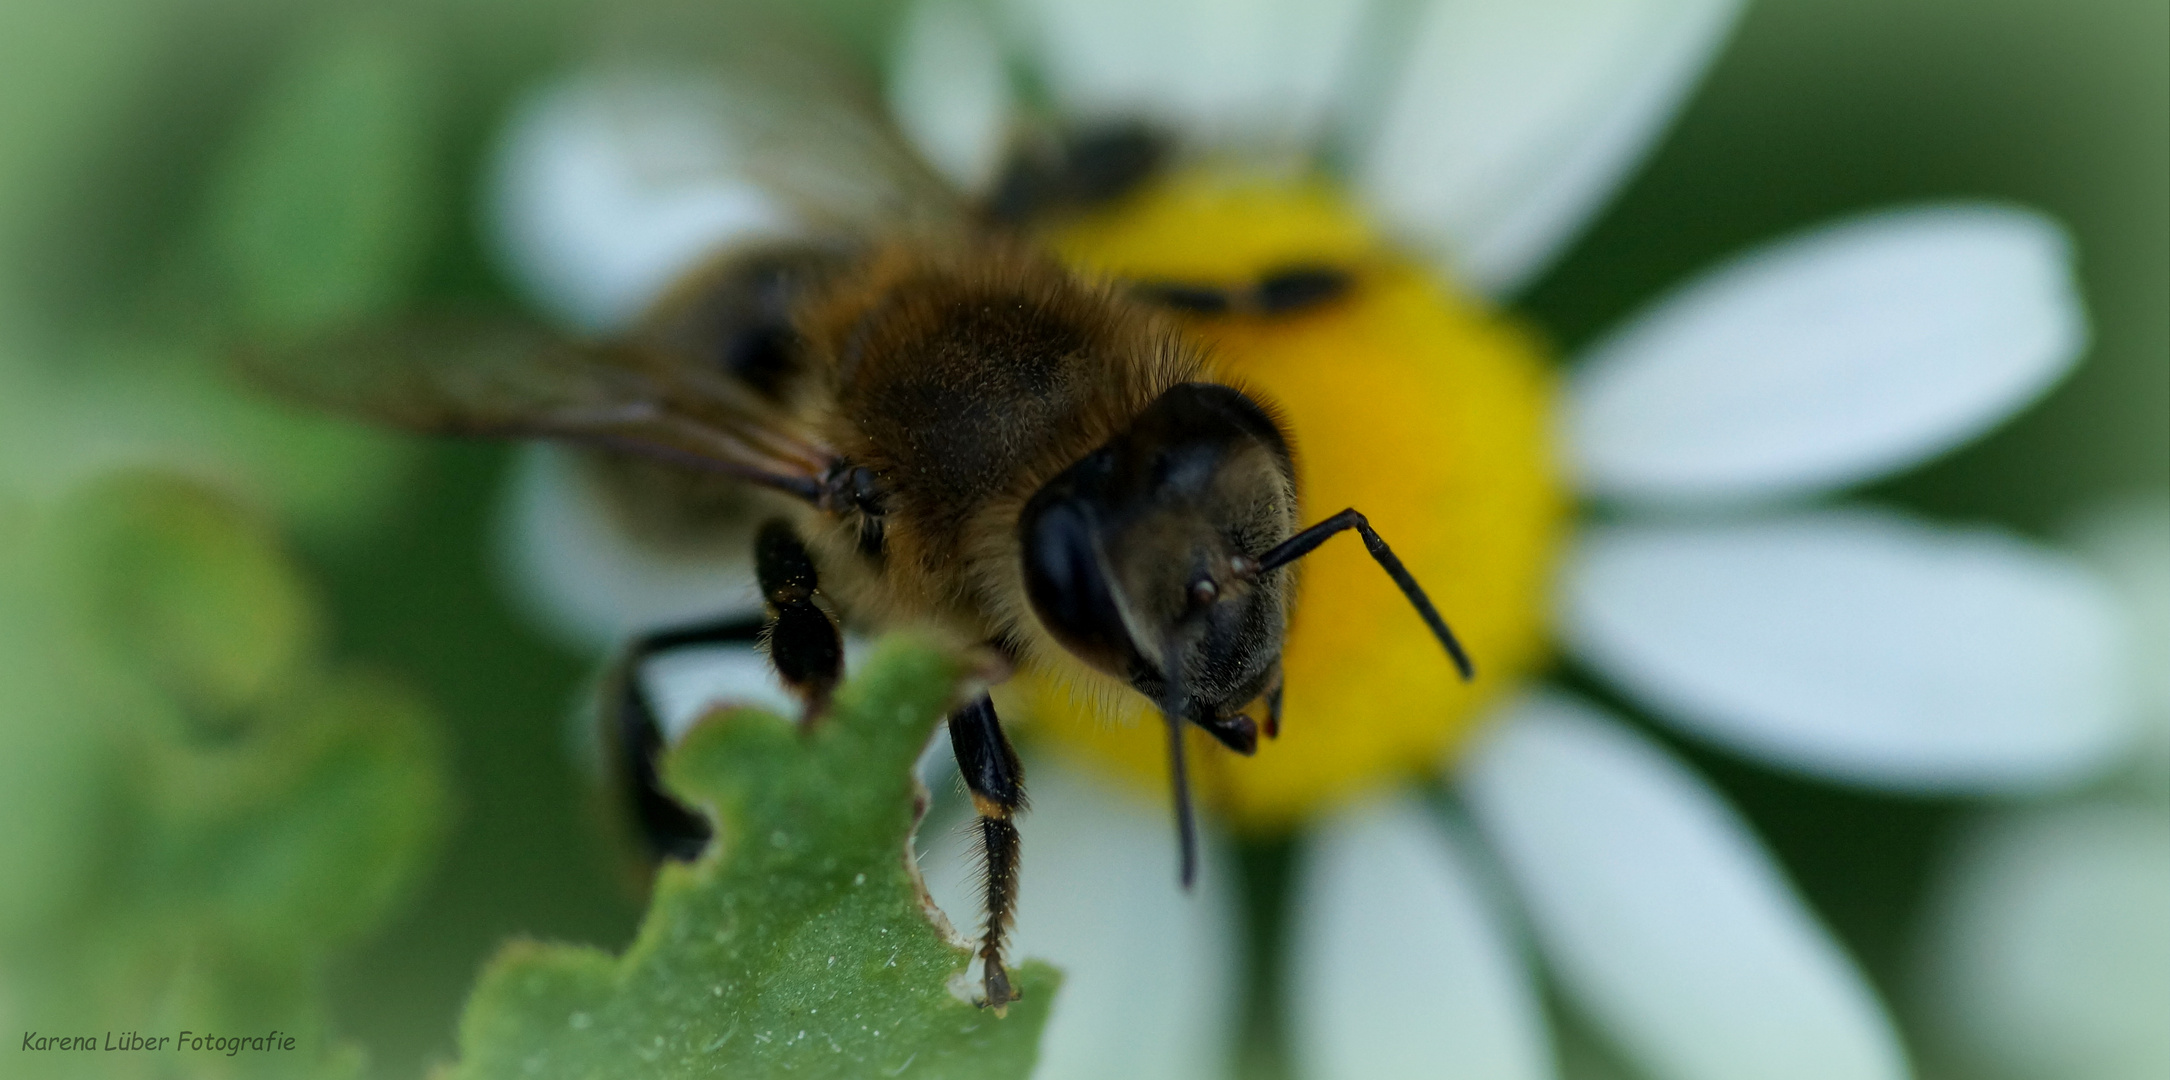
(999, 991)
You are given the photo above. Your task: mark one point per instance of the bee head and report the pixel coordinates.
(1153, 558)
(1142, 557)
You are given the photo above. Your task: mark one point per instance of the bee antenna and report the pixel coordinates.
(1172, 709)
(1304, 542)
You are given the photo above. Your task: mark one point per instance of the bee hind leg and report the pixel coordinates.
(997, 782)
(667, 827)
(802, 639)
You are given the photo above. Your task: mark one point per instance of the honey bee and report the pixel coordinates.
(945, 427)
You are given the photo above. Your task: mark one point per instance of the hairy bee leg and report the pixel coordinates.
(997, 782)
(1272, 729)
(668, 828)
(1078, 171)
(803, 642)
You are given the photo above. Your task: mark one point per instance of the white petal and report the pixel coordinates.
(1401, 967)
(1860, 645)
(1830, 358)
(684, 685)
(582, 575)
(1512, 122)
(1664, 918)
(949, 91)
(609, 187)
(1148, 971)
(2129, 541)
(1229, 69)
(2050, 951)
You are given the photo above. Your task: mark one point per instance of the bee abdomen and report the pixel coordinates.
(740, 317)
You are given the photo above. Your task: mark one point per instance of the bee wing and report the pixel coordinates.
(690, 137)
(501, 379)
(818, 136)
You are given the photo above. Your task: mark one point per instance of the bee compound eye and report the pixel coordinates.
(1067, 584)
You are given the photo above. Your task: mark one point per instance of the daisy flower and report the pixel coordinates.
(1443, 153)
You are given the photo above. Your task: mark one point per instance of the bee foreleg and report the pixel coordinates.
(802, 639)
(997, 782)
(670, 830)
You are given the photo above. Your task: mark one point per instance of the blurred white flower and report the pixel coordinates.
(1862, 646)
(2047, 950)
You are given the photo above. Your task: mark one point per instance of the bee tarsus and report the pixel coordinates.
(996, 780)
(1192, 299)
(1081, 170)
(1290, 290)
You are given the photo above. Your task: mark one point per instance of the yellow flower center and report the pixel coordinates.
(1419, 407)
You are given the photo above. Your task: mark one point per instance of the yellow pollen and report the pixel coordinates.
(1422, 409)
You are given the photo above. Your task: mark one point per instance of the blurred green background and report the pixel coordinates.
(177, 173)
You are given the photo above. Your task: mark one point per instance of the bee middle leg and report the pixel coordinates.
(667, 827)
(997, 782)
(803, 641)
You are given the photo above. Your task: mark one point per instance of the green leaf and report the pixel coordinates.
(324, 207)
(302, 834)
(192, 589)
(52, 769)
(798, 945)
(202, 809)
(173, 402)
